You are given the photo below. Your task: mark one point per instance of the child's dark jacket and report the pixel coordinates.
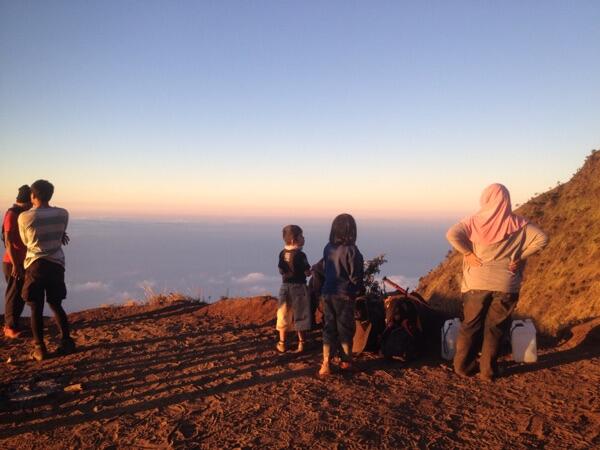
(293, 265)
(344, 269)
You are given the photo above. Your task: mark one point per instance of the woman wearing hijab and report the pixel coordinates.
(494, 243)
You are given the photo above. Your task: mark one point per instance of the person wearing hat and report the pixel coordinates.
(12, 263)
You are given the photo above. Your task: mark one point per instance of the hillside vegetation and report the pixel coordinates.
(562, 283)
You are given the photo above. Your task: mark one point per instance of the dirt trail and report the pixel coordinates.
(189, 376)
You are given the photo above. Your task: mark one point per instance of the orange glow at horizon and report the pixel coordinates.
(179, 210)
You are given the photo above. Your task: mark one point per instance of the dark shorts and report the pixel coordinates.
(293, 307)
(44, 278)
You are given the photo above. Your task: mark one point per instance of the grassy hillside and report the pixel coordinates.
(562, 284)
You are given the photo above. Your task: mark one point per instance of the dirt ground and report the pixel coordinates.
(187, 375)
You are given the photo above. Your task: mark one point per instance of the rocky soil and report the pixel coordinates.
(188, 375)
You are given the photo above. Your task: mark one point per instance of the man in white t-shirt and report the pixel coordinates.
(43, 231)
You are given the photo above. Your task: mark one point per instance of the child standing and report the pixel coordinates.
(343, 282)
(294, 303)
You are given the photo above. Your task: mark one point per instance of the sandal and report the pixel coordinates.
(66, 347)
(324, 372)
(11, 333)
(281, 347)
(348, 367)
(300, 348)
(39, 353)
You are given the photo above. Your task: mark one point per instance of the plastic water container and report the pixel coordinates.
(449, 337)
(523, 341)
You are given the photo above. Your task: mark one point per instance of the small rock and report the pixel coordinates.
(73, 388)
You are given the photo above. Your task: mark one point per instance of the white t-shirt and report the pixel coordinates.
(41, 231)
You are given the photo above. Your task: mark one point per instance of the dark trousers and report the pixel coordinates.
(486, 320)
(338, 319)
(14, 304)
(45, 279)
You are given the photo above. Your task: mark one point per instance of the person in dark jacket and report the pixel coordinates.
(344, 269)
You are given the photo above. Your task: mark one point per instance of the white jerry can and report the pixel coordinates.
(523, 341)
(449, 337)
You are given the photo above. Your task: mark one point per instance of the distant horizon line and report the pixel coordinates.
(241, 219)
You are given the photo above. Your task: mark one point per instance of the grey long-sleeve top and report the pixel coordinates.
(494, 275)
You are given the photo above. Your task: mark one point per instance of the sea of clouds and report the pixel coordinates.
(110, 262)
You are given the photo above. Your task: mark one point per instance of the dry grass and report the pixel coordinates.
(167, 299)
(153, 298)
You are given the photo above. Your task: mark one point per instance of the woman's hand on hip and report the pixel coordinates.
(514, 266)
(473, 260)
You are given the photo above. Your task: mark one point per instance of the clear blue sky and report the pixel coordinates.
(293, 109)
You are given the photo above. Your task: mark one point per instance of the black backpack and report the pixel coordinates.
(403, 334)
(369, 314)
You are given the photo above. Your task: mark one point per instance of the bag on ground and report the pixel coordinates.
(403, 334)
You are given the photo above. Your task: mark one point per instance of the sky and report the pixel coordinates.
(236, 109)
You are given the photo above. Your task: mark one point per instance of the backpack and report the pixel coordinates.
(315, 283)
(369, 315)
(403, 334)
(15, 209)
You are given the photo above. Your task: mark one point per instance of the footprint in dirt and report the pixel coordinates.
(368, 437)
(537, 426)
(183, 432)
